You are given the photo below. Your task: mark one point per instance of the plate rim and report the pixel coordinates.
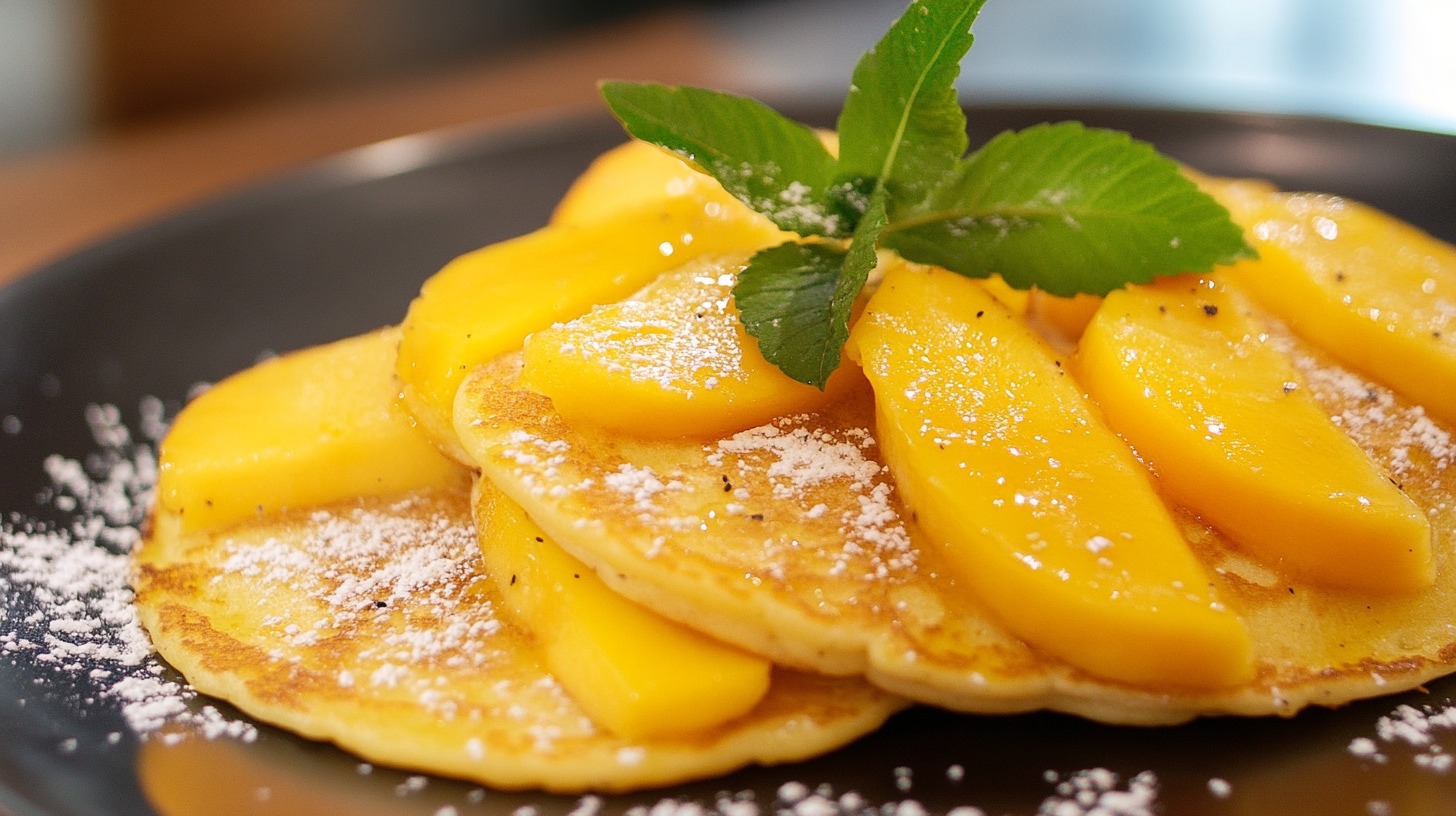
(439, 145)
(360, 165)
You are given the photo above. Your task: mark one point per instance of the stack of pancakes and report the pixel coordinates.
(374, 621)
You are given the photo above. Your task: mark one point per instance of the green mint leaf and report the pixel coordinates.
(902, 122)
(796, 299)
(859, 261)
(1063, 208)
(771, 163)
(785, 298)
(1068, 209)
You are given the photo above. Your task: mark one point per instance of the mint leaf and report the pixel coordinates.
(796, 299)
(1068, 209)
(785, 298)
(860, 260)
(771, 163)
(1064, 208)
(902, 123)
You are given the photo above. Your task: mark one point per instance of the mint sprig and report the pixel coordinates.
(1063, 208)
(796, 298)
(1067, 209)
(902, 125)
(773, 164)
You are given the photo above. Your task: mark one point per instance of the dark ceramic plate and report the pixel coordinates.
(340, 247)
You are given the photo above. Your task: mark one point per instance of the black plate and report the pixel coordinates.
(340, 247)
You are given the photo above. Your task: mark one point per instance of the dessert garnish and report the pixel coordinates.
(1061, 207)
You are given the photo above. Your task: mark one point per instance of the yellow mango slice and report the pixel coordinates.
(308, 428)
(634, 672)
(1039, 509)
(631, 175)
(484, 303)
(1017, 300)
(1373, 291)
(1227, 189)
(672, 361)
(1060, 320)
(637, 173)
(1232, 433)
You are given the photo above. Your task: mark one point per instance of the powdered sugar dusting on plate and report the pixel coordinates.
(1416, 727)
(1100, 792)
(81, 620)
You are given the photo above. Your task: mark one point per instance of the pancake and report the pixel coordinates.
(370, 624)
(790, 540)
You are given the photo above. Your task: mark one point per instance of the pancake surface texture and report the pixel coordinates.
(789, 539)
(370, 624)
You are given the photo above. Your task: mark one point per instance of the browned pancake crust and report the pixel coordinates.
(819, 567)
(371, 626)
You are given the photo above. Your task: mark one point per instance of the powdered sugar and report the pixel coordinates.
(1088, 792)
(1372, 414)
(1415, 727)
(799, 460)
(803, 458)
(681, 332)
(80, 619)
(1099, 792)
(640, 483)
(351, 561)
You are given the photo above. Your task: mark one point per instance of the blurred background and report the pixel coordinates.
(73, 69)
(76, 70)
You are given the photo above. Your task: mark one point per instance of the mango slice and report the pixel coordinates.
(1061, 320)
(485, 302)
(634, 672)
(672, 361)
(1017, 300)
(634, 174)
(1233, 434)
(1376, 293)
(1225, 189)
(305, 429)
(1039, 509)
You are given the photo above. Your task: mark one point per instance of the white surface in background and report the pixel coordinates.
(1386, 61)
(43, 48)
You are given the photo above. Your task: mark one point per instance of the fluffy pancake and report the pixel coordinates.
(369, 624)
(789, 540)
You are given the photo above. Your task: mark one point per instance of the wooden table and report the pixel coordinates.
(57, 202)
